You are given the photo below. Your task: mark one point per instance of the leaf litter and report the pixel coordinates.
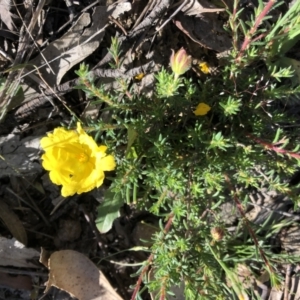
(46, 74)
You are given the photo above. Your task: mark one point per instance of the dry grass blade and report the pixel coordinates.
(13, 223)
(13, 80)
(194, 8)
(5, 14)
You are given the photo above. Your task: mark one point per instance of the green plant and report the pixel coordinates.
(182, 167)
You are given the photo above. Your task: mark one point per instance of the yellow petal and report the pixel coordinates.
(55, 177)
(68, 190)
(57, 138)
(47, 162)
(204, 67)
(94, 180)
(107, 163)
(88, 141)
(79, 128)
(102, 148)
(202, 109)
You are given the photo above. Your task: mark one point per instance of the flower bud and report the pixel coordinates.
(180, 62)
(217, 233)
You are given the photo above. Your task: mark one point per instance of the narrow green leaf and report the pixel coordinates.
(286, 62)
(131, 135)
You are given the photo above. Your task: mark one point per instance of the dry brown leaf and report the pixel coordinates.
(23, 282)
(5, 14)
(15, 254)
(276, 294)
(77, 44)
(244, 276)
(207, 30)
(20, 155)
(44, 257)
(74, 273)
(13, 223)
(194, 8)
(121, 8)
(72, 48)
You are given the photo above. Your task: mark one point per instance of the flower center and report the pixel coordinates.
(82, 157)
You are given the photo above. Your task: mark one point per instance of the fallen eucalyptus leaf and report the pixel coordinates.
(206, 30)
(74, 273)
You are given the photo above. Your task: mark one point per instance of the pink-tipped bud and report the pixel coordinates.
(180, 62)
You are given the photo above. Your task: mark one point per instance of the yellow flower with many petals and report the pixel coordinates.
(75, 161)
(202, 109)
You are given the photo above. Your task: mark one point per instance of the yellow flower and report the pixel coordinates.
(202, 109)
(204, 67)
(75, 161)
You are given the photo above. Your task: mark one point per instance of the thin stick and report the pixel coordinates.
(173, 15)
(248, 38)
(147, 8)
(287, 282)
(113, 20)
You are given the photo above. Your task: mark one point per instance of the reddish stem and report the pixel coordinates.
(162, 292)
(150, 259)
(139, 282)
(259, 19)
(272, 147)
